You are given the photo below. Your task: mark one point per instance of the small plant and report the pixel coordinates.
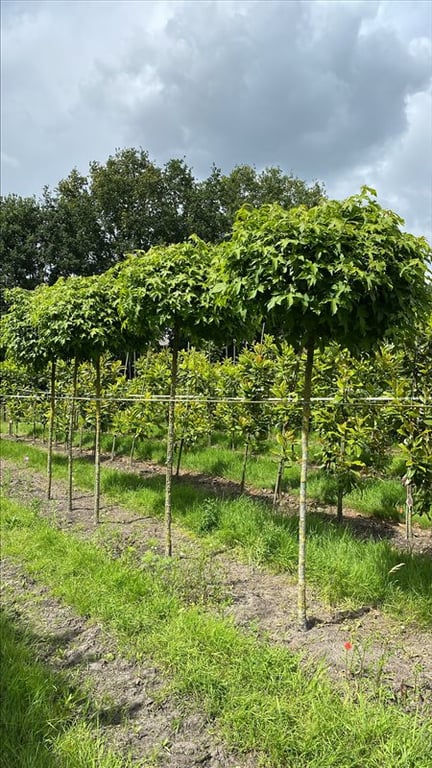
(210, 516)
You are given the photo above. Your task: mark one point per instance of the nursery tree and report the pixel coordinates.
(341, 271)
(24, 344)
(414, 419)
(352, 430)
(167, 291)
(77, 317)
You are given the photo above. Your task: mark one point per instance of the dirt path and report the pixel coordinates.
(136, 715)
(385, 653)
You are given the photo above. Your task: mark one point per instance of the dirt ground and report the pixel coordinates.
(130, 701)
(387, 655)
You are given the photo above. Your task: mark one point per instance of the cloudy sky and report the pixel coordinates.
(336, 91)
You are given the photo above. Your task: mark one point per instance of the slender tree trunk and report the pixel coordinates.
(97, 442)
(245, 458)
(113, 447)
(170, 447)
(339, 512)
(131, 454)
(301, 597)
(278, 484)
(340, 493)
(51, 428)
(408, 512)
(180, 451)
(70, 432)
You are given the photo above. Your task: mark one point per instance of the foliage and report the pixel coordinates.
(21, 260)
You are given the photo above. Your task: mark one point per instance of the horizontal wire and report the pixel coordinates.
(383, 399)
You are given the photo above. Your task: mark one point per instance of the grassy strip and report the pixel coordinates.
(345, 570)
(41, 724)
(262, 699)
(376, 497)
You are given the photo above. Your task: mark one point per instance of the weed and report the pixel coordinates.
(209, 515)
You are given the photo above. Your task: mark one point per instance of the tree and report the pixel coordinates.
(24, 344)
(21, 260)
(218, 198)
(77, 320)
(72, 239)
(141, 205)
(341, 271)
(414, 420)
(168, 290)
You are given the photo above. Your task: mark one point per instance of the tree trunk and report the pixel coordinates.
(51, 429)
(339, 512)
(170, 446)
(113, 447)
(131, 454)
(301, 597)
(409, 512)
(180, 451)
(97, 442)
(70, 432)
(245, 458)
(278, 484)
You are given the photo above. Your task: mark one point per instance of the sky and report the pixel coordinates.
(334, 91)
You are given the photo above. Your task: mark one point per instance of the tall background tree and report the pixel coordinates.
(22, 262)
(88, 223)
(73, 241)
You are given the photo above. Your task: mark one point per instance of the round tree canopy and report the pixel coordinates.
(78, 317)
(171, 288)
(341, 271)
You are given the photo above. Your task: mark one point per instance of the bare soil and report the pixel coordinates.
(386, 656)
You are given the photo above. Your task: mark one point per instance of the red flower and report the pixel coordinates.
(348, 646)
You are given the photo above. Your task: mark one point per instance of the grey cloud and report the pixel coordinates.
(265, 87)
(322, 89)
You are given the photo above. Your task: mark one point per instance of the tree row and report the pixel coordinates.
(341, 272)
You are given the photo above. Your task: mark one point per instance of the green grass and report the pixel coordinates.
(44, 722)
(260, 696)
(375, 497)
(344, 570)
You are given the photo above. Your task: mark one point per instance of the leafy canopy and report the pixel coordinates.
(342, 270)
(170, 288)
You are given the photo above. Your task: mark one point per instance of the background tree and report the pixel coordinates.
(21, 259)
(73, 242)
(140, 204)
